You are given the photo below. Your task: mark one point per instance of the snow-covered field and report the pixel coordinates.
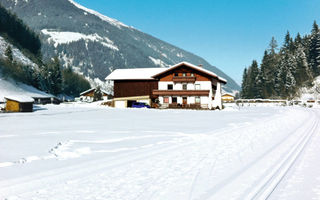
(80, 152)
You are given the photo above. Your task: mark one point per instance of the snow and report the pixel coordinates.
(57, 37)
(198, 68)
(102, 17)
(20, 98)
(11, 88)
(85, 151)
(158, 62)
(148, 73)
(311, 93)
(134, 74)
(16, 53)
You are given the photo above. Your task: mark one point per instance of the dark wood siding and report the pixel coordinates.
(130, 88)
(198, 75)
(26, 107)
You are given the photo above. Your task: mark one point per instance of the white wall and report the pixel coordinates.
(120, 104)
(204, 85)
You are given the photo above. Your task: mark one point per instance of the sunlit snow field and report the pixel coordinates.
(86, 152)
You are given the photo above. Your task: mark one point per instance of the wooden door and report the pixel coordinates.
(184, 100)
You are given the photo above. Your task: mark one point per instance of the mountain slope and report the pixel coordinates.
(94, 44)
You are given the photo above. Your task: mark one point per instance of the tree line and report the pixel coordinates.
(284, 70)
(17, 31)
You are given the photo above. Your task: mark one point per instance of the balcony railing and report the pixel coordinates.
(179, 79)
(181, 92)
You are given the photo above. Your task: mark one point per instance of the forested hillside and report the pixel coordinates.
(47, 76)
(95, 45)
(286, 69)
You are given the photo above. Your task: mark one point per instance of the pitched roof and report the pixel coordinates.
(134, 74)
(210, 73)
(151, 73)
(87, 91)
(20, 98)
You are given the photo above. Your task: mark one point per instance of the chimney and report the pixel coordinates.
(200, 65)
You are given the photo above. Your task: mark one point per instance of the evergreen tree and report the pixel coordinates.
(253, 73)
(8, 54)
(244, 86)
(97, 95)
(52, 77)
(304, 74)
(314, 50)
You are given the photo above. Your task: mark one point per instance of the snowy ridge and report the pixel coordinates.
(57, 38)
(103, 17)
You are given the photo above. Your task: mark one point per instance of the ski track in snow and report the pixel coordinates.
(93, 153)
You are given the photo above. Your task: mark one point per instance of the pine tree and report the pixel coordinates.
(304, 74)
(314, 50)
(253, 73)
(8, 54)
(244, 86)
(97, 96)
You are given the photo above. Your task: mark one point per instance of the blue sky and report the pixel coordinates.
(227, 33)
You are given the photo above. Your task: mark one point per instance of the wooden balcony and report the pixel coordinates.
(180, 79)
(181, 92)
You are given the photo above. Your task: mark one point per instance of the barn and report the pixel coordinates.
(19, 104)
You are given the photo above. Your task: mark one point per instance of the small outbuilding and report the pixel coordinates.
(19, 104)
(227, 97)
(89, 94)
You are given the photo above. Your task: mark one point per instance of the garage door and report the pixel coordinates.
(120, 104)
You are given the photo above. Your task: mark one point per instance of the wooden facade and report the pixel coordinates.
(90, 93)
(131, 88)
(182, 84)
(16, 106)
(183, 74)
(181, 92)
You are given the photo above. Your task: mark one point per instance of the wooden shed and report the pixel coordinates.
(227, 97)
(19, 104)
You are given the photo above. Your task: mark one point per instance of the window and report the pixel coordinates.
(174, 100)
(184, 74)
(197, 86)
(176, 74)
(166, 100)
(214, 87)
(192, 74)
(198, 100)
(184, 86)
(170, 87)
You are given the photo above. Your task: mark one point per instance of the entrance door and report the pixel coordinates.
(184, 100)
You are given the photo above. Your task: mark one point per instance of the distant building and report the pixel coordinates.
(183, 85)
(227, 97)
(19, 104)
(88, 95)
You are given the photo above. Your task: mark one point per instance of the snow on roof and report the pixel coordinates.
(135, 74)
(150, 73)
(227, 93)
(103, 91)
(195, 67)
(20, 98)
(11, 88)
